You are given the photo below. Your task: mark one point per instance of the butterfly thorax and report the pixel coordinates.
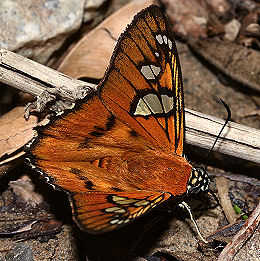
(198, 181)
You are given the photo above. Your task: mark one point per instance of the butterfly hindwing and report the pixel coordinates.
(100, 212)
(143, 85)
(78, 149)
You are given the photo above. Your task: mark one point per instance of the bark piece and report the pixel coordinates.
(237, 62)
(15, 131)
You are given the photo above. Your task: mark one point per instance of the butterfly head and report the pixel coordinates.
(198, 181)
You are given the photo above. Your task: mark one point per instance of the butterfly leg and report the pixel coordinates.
(183, 204)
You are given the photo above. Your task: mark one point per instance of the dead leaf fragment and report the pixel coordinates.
(34, 228)
(237, 62)
(89, 58)
(15, 130)
(24, 189)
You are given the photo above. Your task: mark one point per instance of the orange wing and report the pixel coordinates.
(76, 150)
(99, 212)
(143, 85)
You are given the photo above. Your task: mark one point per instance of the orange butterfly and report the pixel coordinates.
(119, 152)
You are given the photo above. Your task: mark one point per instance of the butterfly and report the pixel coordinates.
(119, 152)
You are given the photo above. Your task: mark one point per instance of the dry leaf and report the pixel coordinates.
(15, 130)
(89, 58)
(230, 59)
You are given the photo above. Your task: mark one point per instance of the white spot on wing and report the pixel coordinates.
(53, 186)
(159, 38)
(156, 70)
(170, 43)
(149, 103)
(115, 210)
(114, 221)
(167, 103)
(141, 203)
(142, 109)
(147, 72)
(153, 103)
(157, 54)
(165, 39)
(123, 200)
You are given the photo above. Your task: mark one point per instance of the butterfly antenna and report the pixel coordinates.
(183, 204)
(224, 125)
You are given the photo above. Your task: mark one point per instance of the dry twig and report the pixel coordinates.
(47, 84)
(241, 237)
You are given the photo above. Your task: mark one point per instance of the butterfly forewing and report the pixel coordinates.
(143, 83)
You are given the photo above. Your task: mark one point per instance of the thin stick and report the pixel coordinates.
(241, 237)
(34, 78)
(18, 155)
(201, 129)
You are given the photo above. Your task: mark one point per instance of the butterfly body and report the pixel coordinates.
(119, 152)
